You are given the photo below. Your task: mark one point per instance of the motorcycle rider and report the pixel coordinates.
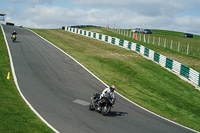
(14, 33)
(110, 90)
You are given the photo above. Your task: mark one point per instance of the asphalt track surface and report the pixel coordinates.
(57, 88)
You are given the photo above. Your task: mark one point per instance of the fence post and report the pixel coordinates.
(159, 41)
(188, 49)
(144, 38)
(165, 43)
(178, 46)
(148, 38)
(171, 44)
(153, 39)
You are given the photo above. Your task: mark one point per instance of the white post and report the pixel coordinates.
(171, 44)
(178, 46)
(153, 39)
(165, 43)
(188, 49)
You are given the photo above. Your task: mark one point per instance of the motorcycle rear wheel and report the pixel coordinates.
(106, 110)
(13, 39)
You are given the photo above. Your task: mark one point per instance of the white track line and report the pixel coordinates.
(16, 83)
(91, 74)
(115, 91)
(122, 95)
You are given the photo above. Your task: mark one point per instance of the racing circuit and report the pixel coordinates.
(59, 89)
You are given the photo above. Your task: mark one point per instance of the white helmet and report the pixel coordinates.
(112, 88)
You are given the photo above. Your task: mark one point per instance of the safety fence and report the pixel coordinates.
(166, 62)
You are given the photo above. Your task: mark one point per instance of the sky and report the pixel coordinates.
(175, 15)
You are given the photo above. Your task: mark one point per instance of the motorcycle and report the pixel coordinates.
(105, 104)
(14, 37)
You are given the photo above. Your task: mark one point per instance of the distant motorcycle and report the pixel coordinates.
(14, 37)
(106, 103)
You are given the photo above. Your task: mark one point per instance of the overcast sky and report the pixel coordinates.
(176, 15)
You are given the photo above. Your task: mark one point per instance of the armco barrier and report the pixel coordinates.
(173, 65)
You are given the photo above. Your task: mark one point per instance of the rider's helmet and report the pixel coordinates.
(112, 88)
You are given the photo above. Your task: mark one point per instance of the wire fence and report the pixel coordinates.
(164, 42)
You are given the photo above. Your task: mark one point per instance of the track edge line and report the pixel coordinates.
(115, 91)
(18, 88)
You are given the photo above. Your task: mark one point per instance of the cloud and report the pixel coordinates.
(42, 1)
(54, 16)
(41, 16)
(188, 23)
(154, 14)
(143, 7)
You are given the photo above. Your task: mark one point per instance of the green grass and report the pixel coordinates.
(192, 60)
(172, 33)
(194, 43)
(15, 115)
(135, 77)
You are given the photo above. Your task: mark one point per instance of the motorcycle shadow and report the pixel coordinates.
(17, 42)
(116, 113)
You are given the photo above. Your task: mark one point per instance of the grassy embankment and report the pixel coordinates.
(135, 77)
(191, 60)
(15, 115)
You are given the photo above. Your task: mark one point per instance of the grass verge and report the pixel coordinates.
(135, 77)
(188, 60)
(15, 115)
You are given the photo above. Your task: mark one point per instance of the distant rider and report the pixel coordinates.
(14, 33)
(107, 91)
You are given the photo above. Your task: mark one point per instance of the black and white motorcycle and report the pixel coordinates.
(104, 105)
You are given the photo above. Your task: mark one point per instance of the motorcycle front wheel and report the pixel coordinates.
(105, 110)
(91, 107)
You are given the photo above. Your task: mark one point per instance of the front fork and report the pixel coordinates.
(92, 100)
